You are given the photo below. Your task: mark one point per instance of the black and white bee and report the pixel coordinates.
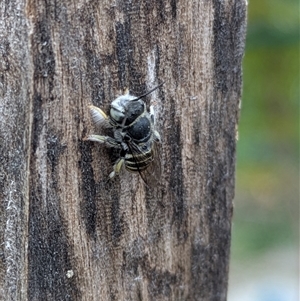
(134, 135)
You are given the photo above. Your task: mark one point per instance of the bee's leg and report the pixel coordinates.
(99, 117)
(117, 167)
(104, 139)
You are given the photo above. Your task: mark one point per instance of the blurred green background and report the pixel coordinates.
(266, 203)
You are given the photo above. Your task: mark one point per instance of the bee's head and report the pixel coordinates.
(127, 108)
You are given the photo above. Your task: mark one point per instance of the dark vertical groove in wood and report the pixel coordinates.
(44, 61)
(48, 252)
(176, 178)
(174, 8)
(94, 74)
(116, 220)
(122, 52)
(88, 186)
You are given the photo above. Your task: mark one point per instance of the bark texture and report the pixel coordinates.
(67, 233)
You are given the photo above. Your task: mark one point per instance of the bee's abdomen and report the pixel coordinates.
(138, 162)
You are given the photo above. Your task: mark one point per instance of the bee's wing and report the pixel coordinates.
(151, 175)
(100, 119)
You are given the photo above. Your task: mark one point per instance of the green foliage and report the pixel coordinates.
(266, 203)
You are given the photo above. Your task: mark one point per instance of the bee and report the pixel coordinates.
(134, 135)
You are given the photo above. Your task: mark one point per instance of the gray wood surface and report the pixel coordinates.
(66, 232)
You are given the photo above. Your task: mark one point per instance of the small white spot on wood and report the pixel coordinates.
(139, 278)
(70, 273)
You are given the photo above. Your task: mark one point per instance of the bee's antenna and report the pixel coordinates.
(148, 92)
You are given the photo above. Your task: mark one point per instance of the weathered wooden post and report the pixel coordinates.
(67, 233)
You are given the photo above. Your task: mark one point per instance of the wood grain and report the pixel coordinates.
(67, 232)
